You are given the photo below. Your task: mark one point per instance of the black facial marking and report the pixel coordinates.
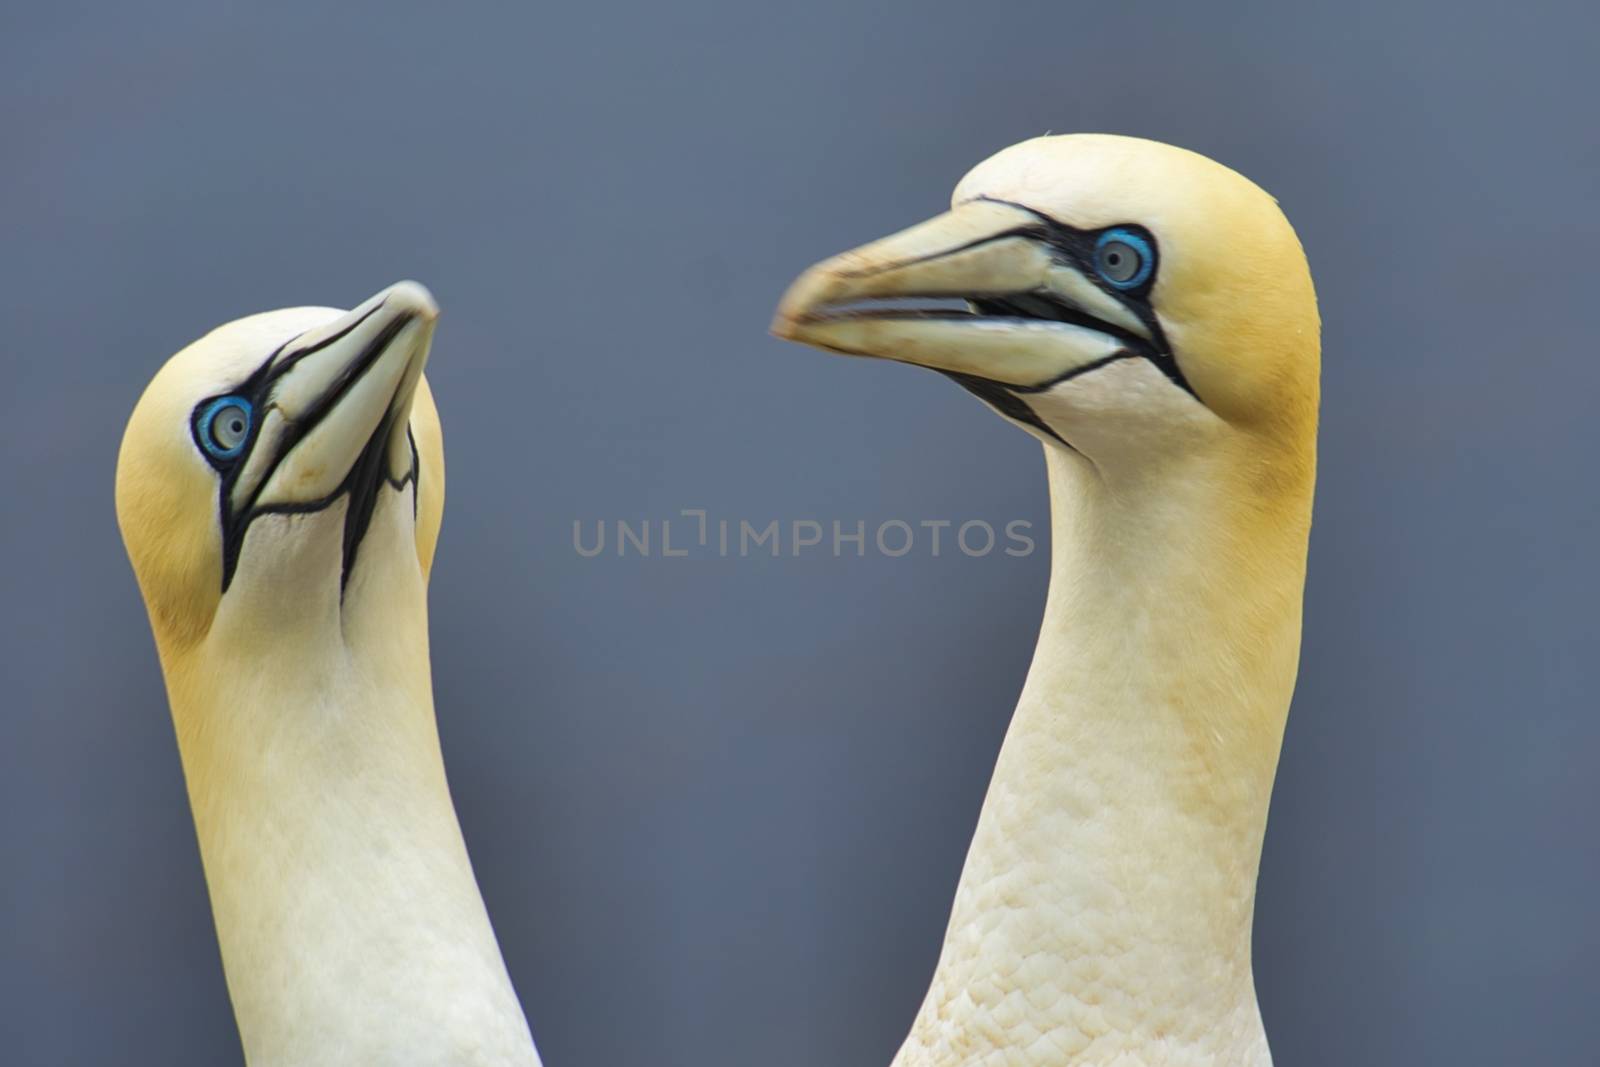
(367, 476)
(1004, 401)
(1010, 400)
(1076, 248)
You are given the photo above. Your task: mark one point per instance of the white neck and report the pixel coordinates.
(351, 926)
(1104, 913)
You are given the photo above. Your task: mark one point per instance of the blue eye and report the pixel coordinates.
(225, 427)
(1123, 258)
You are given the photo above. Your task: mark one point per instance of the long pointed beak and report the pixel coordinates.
(1037, 319)
(339, 405)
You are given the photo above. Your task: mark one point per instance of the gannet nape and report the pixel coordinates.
(1149, 316)
(279, 490)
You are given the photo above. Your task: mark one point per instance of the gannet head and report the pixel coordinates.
(1125, 299)
(282, 467)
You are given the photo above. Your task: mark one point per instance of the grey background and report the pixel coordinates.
(718, 806)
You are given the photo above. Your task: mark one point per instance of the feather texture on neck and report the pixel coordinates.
(1104, 912)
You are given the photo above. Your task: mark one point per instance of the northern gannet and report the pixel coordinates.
(1148, 314)
(279, 490)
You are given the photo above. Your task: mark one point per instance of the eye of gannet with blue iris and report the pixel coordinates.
(1149, 316)
(280, 489)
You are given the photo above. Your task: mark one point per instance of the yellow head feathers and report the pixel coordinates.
(1127, 298)
(258, 459)
(1233, 291)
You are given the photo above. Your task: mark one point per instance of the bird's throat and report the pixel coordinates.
(1106, 903)
(350, 922)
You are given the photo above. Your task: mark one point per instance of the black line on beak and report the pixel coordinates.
(362, 482)
(1075, 248)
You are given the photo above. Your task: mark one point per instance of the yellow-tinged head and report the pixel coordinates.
(262, 457)
(1126, 299)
